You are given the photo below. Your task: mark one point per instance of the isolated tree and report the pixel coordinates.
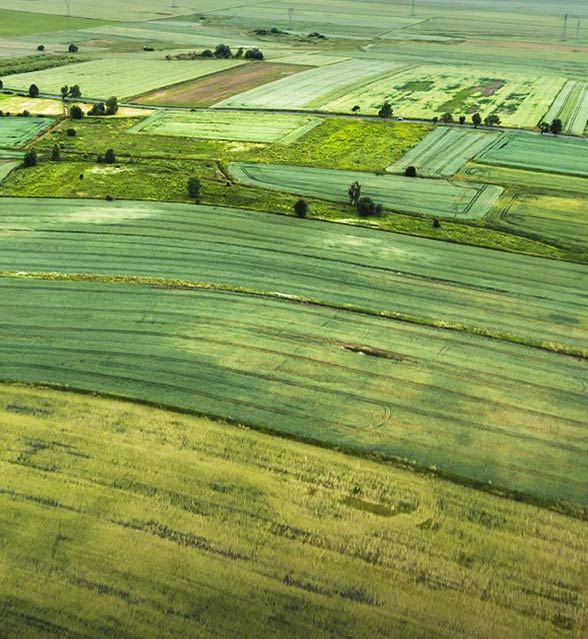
(41, 47)
(74, 91)
(72, 48)
(111, 105)
(193, 187)
(64, 91)
(476, 120)
(30, 158)
(76, 113)
(544, 126)
(447, 117)
(55, 153)
(385, 110)
(222, 51)
(34, 91)
(410, 171)
(556, 126)
(109, 157)
(434, 119)
(462, 120)
(492, 120)
(354, 192)
(356, 109)
(366, 207)
(301, 208)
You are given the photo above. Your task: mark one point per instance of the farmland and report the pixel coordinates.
(245, 127)
(16, 131)
(538, 153)
(121, 75)
(446, 199)
(443, 152)
(571, 106)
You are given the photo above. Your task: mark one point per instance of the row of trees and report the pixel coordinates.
(223, 51)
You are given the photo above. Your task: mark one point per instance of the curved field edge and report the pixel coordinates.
(191, 534)
(361, 383)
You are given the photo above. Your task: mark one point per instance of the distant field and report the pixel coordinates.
(134, 516)
(538, 153)
(409, 195)
(245, 127)
(16, 131)
(206, 91)
(444, 151)
(18, 23)
(120, 75)
(571, 107)
(426, 91)
(305, 88)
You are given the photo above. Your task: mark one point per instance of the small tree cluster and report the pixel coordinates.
(194, 185)
(385, 110)
(366, 207)
(71, 92)
(223, 52)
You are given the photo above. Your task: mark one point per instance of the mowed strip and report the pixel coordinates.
(303, 88)
(220, 86)
(218, 125)
(440, 198)
(444, 151)
(370, 384)
(176, 507)
(548, 154)
(533, 299)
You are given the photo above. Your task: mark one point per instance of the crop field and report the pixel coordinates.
(16, 131)
(444, 151)
(440, 198)
(120, 520)
(220, 86)
(15, 104)
(426, 91)
(571, 107)
(539, 153)
(304, 89)
(19, 23)
(245, 127)
(121, 75)
(529, 298)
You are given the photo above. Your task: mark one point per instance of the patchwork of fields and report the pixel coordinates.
(439, 198)
(214, 125)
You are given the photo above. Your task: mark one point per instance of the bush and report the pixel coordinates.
(72, 48)
(301, 208)
(253, 54)
(34, 91)
(70, 133)
(75, 113)
(109, 198)
(207, 53)
(222, 51)
(30, 158)
(436, 224)
(410, 171)
(193, 187)
(366, 207)
(41, 47)
(25, 113)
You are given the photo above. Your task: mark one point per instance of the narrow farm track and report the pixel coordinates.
(433, 396)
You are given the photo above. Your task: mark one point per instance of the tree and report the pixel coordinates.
(385, 110)
(447, 117)
(410, 171)
(41, 47)
(1, 84)
(354, 192)
(222, 51)
(97, 109)
(253, 54)
(207, 53)
(492, 120)
(239, 53)
(301, 208)
(434, 119)
(111, 105)
(30, 158)
(462, 119)
(356, 109)
(366, 207)
(76, 113)
(74, 91)
(34, 91)
(476, 120)
(64, 91)
(55, 153)
(72, 48)
(109, 157)
(193, 187)
(544, 126)
(556, 126)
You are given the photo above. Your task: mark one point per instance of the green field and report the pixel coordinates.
(241, 127)
(305, 88)
(571, 107)
(122, 75)
(444, 151)
(538, 153)
(439, 198)
(124, 521)
(17, 131)
(19, 23)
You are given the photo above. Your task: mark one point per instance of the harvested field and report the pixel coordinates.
(424, 196)
(218, 125)
(444, 151)
(220, 86)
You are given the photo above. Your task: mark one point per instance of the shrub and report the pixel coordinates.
(301, 208)
(70, 133)
(366, 207)
(410, 171)
(76, 113)
(30, 158)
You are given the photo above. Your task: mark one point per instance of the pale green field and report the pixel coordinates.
(120, 75)
(426, 91)
(440, 198)
(17, 131)
(123, 521)
(244, 127)
(571, 107)
(305, 88)
(444, 151)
